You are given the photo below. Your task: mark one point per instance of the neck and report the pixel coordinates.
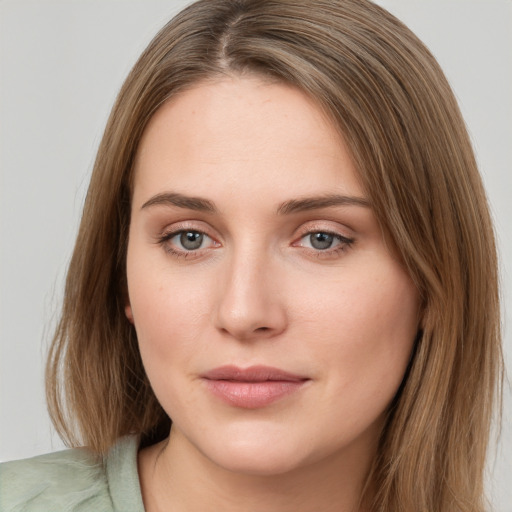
(176, 476)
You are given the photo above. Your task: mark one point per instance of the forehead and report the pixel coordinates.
(246, 134)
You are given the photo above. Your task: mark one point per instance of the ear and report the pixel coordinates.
(128, 312)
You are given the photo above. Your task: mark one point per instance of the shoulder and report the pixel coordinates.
(76, 480)
(64, 480)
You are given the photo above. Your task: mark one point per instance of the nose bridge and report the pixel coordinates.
(249, 303)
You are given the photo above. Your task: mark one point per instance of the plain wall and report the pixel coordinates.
(61, 66)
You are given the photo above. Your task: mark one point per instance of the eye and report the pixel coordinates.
(186, 241)
(189, 240)
(324, 242)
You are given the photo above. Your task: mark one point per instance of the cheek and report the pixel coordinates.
(372, 307)
(168, 324)
(167, 317)
(169, 311)
(364, 328)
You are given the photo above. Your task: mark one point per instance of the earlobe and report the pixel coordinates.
(128, 312)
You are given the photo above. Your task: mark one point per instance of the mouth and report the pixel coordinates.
(253, 387)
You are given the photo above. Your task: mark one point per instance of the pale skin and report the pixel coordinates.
(277, 260)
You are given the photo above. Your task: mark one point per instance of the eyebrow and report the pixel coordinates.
(182, 201)
(316, 203)
(286, 208)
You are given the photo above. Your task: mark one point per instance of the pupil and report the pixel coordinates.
(191, 240)
(321, 241)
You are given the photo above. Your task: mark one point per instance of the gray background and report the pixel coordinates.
(61, 66)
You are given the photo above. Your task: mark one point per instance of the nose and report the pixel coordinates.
(250, 304)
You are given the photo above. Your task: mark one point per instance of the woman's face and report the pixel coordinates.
(274, 323)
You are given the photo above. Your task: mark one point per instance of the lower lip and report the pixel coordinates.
(252, 395)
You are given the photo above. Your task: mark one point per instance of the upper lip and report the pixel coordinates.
(252, 374)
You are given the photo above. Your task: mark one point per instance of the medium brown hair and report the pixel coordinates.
(390, 100)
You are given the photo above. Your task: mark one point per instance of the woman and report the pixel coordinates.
(285, 249)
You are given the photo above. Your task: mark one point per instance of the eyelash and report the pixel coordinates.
(181, 253)
(344, 244)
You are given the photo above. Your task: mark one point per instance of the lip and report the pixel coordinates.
(253, 387)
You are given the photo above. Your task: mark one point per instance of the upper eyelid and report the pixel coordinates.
(329, 231)
(170, 234)
(332, 227)
(177, 227)
(322, 226)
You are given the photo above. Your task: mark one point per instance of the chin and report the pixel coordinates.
(266, 449)
(262, 452)
(258, 461)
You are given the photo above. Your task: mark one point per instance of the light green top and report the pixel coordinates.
(74, 481)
